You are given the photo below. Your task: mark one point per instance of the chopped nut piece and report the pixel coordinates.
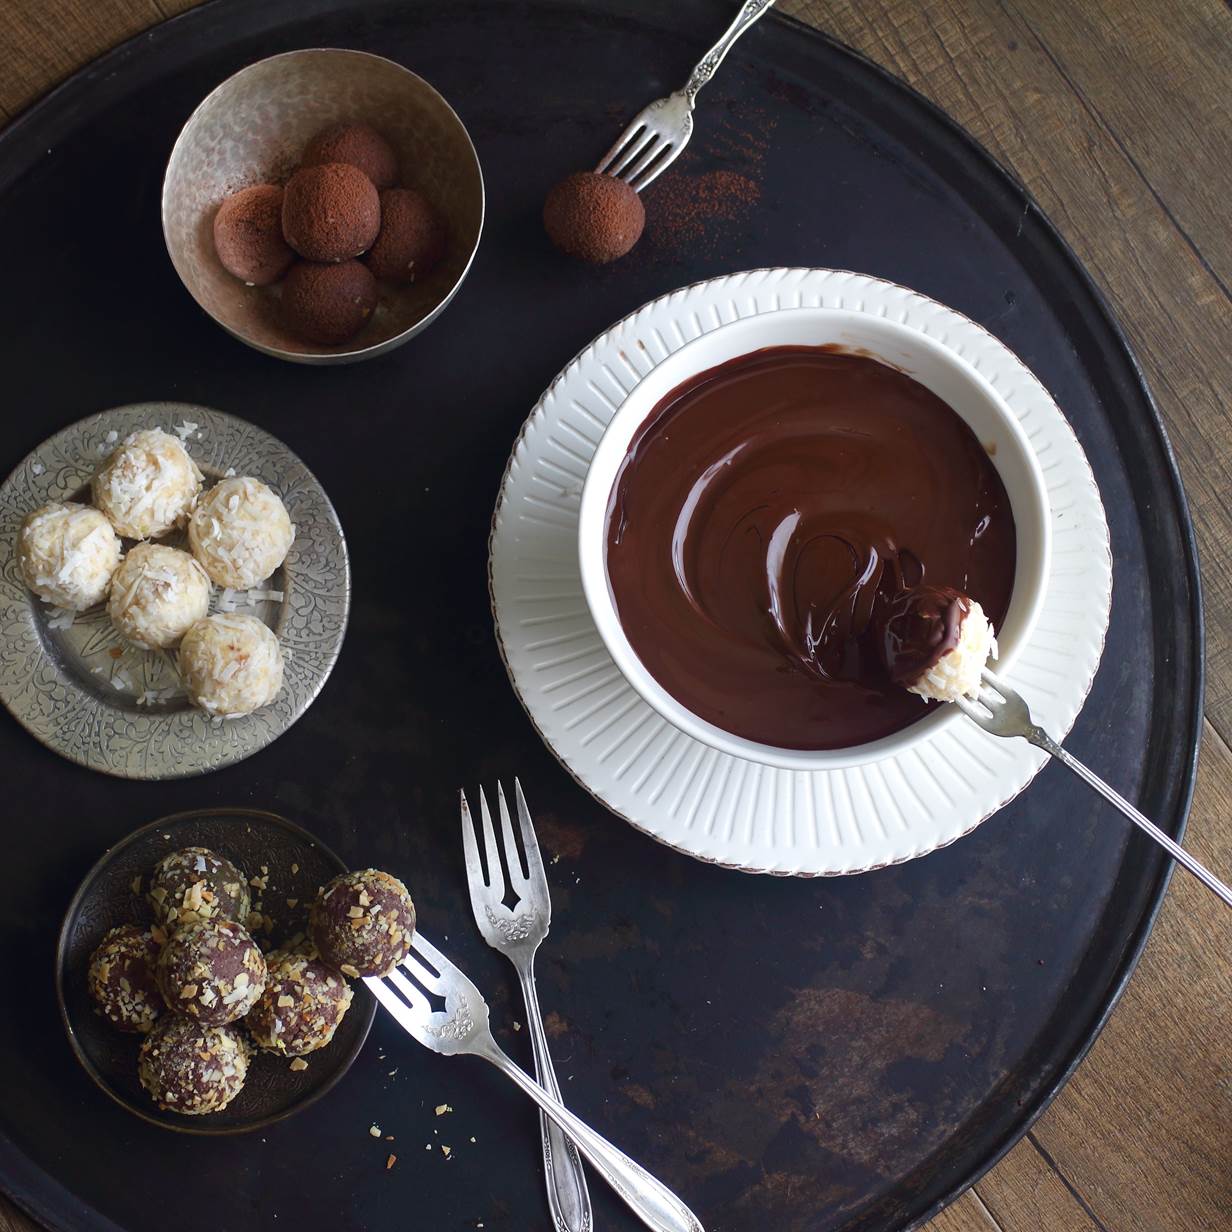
(374, 1130)
(446, 1151)
(389, 1163)
(441, 1109)
(299, 1064)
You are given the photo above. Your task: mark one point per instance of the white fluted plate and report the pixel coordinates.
(707, 803)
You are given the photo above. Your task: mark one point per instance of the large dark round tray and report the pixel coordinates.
(833, 1054)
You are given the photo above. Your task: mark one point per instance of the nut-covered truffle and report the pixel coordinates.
(194, 884)
(157, 594)
(594, 217)
(331, 212)
(231, 665)
(241, 532)
(362, 923)
(148, 485)
(328, 304)
(359, 145)
(412, 238)
(68, 555)
(248, 235)
(212, 972)
(121, 978)
(301, 1007)
(191, 1068)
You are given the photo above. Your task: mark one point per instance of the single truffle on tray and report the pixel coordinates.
(328, 304)
(157, 594)
(362, 923)
(331, 212)
(195, 884)
(240, 532)
(230, 664)
(68, 555)
(361, 146)
(937, 643)
(412, 239)
(248, 235)
(212, 972)
(191, 1068)
(148, 484)
(303, 1003)
(121, 978)
(593, 217)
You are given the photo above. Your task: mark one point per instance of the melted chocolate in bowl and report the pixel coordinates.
(768, 518)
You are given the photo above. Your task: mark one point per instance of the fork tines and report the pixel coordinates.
(637, 153)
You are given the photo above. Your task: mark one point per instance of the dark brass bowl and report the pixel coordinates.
(255, 842)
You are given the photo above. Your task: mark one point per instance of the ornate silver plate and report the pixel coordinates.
(77, 687)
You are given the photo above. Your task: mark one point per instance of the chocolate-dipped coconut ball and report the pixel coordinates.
(240, 532)
(358, 145)
(331, 212)
(248, 235)
(594, 217)
(212, 972)
(301, 1007)
(328, 304)
(412, 238)
(157, 594)
(362, 923)
(68, 555)
(194, 884)
(121, 978)
(231, 665)
(147, 485)
(192, 1068)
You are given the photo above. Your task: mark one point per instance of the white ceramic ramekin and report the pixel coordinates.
(935, 366)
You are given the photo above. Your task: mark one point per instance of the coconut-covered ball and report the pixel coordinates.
(594, 217)
(230, 664)
(248, 235)
(301, 1007)
(328, 304)
(361, 146)
(68, 554)
(191, 1068)
(212, 971)
(148, 485)
(240, 532)
(412, 238)
(362, 923)
(121, 978)
(937, 642)
(157, 594)
(331, 212)
(194, 884)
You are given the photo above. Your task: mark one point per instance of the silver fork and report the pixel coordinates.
(1002, 711)
(426, 977)
(517, 933)
(660, 131)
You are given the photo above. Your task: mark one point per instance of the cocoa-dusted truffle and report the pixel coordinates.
(193, 884)
(412, 238)
(301, 1007)
(331, 212)
(328, 304)
(191, 1068)
(248, 235)
(358, 145)
(121, 978)
(362, 923)
(212, 972)
(594, 217)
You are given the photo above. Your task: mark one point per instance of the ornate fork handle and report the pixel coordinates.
(750, 11)
(650, 1199)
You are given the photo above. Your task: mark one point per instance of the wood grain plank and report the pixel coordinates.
(968, 1214)
(1026, 1193)
(46, 41)
(13, 1220)
(1161, 88)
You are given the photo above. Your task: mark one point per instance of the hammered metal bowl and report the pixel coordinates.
(291, 864)
(253, 128)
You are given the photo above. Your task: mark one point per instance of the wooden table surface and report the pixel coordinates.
(1116, 115)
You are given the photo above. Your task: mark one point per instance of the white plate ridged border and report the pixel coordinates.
(709, 804)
